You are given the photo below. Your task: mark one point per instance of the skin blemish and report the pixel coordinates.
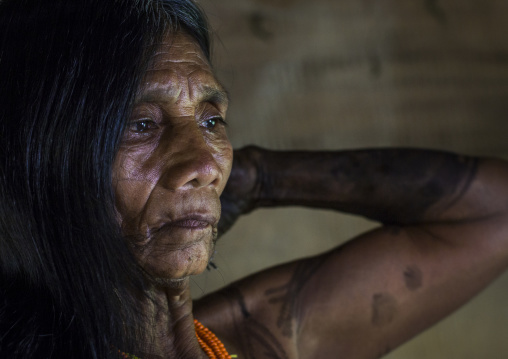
(413, 277)
(384, 309)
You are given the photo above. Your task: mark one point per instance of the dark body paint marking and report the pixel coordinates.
(255, 337)
(288, 294)
(384, 309)
(413, 277)
(435, 175)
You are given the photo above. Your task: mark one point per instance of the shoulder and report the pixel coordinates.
(259, 313)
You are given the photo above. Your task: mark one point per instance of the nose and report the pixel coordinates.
(188, 161)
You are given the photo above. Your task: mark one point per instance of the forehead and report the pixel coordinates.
(179, 70)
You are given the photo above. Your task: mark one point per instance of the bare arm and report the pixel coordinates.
(446, 241)
(387, 185)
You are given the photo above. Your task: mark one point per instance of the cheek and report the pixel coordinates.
(131, 186)
(225, 160)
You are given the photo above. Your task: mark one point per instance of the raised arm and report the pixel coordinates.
(446, 239)
(387, 185)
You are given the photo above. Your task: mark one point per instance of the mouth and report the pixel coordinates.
(192, 222)
(178, 246)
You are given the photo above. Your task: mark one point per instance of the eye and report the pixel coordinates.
(142, 126)
(211, 123)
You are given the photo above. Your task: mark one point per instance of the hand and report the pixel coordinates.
(239, 196)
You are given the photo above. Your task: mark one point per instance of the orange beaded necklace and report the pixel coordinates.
(208, 341)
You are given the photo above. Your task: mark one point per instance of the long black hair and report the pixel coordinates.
(69, 71)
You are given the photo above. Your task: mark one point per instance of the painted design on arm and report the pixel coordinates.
(413, 277)
(393, 186)
(384, 309)
(288, 295)
(256, 340)
(469, 171)
(398, 186)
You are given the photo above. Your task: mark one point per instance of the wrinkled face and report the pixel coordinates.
(173, 163)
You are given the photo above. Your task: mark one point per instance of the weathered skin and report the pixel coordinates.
(445, 235)
(444, 239)
(171, 168)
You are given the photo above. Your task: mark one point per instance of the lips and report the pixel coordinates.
(191, 222)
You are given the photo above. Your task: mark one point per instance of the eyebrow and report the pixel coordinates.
(215, 95)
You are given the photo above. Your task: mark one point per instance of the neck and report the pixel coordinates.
(170, 323)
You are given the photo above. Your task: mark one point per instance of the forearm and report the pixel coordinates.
(389, 185)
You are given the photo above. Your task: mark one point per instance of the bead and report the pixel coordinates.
(208, 342)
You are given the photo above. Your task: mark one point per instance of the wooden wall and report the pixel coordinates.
(336, 74)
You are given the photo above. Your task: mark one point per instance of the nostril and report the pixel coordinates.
(191, 170)
(207, 171)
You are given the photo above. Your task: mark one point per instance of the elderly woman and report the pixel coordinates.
(114, 156)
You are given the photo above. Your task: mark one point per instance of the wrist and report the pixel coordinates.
(246, 176)
(256, 161)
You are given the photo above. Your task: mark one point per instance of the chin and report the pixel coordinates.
(176, 265)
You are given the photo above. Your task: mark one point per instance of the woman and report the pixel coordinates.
(114, 157)
(70, 72)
